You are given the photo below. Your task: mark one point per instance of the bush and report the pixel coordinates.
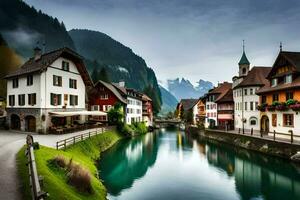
(141, 128)
(80, 178)
(59, 161)
(36, 145)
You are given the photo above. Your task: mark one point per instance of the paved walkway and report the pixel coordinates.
(10, 144)
(286, 138)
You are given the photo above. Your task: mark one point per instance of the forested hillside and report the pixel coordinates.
(9, 60)
(23, 26)
(119, 62)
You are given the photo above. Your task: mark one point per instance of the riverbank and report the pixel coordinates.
(85, 153)
(283, 150)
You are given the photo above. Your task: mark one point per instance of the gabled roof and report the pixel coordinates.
(188, 103)
(227, 97)
(146, 98)
(244, 60)
(41, 64)
(292, 57)
(126, 91)
(221, 88)
(256, 77)
(113, 90)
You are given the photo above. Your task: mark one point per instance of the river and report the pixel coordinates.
(169, 164)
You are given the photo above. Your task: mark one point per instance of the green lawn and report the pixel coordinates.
(84, 153)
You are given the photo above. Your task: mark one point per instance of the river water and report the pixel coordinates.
(169, 164)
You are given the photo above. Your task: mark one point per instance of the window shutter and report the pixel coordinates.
(51, 99)
(34, 98)
(76, 100)
(59, 99)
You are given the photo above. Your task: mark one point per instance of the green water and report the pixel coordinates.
(169, 164)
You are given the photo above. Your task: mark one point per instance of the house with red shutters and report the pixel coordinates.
(147, 110)
(137, 107)
(103, 97)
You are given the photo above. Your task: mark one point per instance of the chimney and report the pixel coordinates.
(37, 53)
(122, 83)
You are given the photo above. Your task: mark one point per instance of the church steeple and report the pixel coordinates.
(244, 64)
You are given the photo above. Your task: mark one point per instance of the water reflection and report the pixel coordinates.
(172, 165)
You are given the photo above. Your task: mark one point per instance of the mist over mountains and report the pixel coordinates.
(184, 89)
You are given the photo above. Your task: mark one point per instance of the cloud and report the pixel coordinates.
(192, 38)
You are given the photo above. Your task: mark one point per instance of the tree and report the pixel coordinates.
(95, 75)
(103, 76)
(150, 91)
(116, 115)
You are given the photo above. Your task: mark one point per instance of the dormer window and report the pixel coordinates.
(274, 82)
(65, 65)
(288, 78)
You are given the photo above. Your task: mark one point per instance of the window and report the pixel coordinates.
(57, 80)
(245, 92)
(15, 82)
(105, 96)
(251, 91)
(11, 100)
(246, 105)
(274, 82)
(275, 97)
(251, 105)
(288, 120)
(263, 99)
(65, 65)
(21, 99)
(253, 121)
(289, 95)
(29, 80)
(106, 107)
(256, 105)
(288, 78)
(95, 107)
(73, 83)
(274, 120)
(73, 100)
(55, 99)
(32, 99)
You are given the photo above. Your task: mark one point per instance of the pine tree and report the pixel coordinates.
(94, 75)
(103, 76)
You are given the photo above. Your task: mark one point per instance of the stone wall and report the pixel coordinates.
(283, 150)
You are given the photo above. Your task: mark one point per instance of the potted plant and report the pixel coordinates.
(295, 107)
(262, 107)
(282, 107)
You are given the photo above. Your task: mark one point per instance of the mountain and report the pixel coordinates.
(23, 26)
(169, 102)
(183, 89)
(119, 61)
(9, 61)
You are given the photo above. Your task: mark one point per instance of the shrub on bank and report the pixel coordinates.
(137, 128)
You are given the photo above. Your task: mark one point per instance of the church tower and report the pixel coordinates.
(244, 64)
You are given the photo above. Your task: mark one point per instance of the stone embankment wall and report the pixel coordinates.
(283, 150)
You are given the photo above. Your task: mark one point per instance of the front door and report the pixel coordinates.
(265, 127)
(30, 124)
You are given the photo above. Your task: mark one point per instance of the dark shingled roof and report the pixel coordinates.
(256, 77)
(294, 59)
(188, 103)
(39, 65)
(227, 97)
(222, 89)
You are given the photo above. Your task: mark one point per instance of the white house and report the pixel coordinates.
(246, 115)
(45, 86)
(134, 106)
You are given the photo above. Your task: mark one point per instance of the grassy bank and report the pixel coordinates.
(84, 153)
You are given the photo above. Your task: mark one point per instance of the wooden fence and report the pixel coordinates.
(37, 193)
(63, 144)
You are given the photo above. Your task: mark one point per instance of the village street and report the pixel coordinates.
(10, 144)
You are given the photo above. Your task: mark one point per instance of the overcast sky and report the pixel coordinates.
(195, 39)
